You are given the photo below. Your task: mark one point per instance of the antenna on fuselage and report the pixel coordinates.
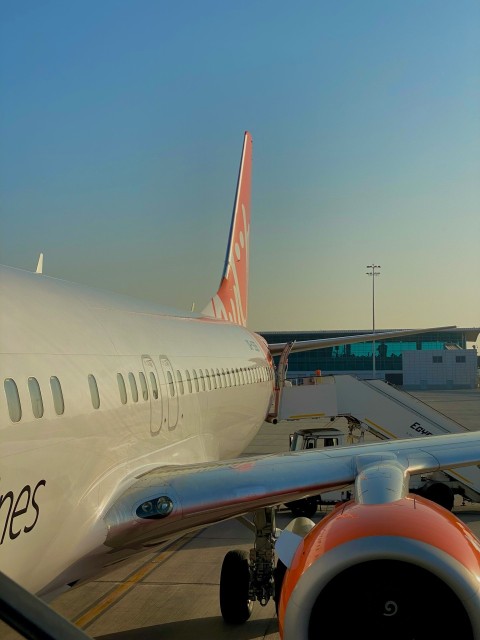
(40, 264)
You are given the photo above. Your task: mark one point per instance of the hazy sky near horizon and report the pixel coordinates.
(121, 125)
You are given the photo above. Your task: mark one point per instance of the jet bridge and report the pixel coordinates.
(379, 408)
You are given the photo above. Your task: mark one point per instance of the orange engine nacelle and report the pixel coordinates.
(405, 569)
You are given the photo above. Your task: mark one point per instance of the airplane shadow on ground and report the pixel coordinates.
(212, 627)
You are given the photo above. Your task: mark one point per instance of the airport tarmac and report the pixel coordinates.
(173, 592)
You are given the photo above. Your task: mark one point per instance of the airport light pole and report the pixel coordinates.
(373, 273)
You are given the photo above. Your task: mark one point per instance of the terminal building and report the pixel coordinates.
(433, 360)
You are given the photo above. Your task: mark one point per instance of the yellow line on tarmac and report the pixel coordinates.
(118, 592)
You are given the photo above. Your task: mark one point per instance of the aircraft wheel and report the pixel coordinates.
(235, 605)
(441, 494)
(278, 576)
(307, 507)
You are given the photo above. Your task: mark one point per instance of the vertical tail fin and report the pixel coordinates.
(231, 300)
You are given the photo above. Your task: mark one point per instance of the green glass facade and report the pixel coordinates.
(358, 357)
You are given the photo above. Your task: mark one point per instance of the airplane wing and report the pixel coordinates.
(172, 500)
(321, 343)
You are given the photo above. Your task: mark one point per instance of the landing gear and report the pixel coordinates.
(306, 507)
(235, 603)
(439, 493)
(248, 577)
(278, 576)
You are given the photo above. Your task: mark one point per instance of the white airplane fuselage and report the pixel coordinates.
(120, 422)
(75, 461)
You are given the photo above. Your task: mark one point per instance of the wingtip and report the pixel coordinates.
(40, 264)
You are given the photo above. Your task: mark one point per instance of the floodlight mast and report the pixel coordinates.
(373, 273)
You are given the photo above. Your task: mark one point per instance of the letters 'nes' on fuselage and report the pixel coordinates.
(120, 425)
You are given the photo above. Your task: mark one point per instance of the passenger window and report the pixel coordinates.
(122, 388)
(133, 386)
(171, 386)
(189, 381)
(224, 379)
(195, 380)
(143, 384)
(13, 400)
(219, 380)
(57, 394)
(207, 378)
(180, 382)
(202, 379)
(153, 382)
(92, 383)
(237, 377)
(35, 397)
(214, 381)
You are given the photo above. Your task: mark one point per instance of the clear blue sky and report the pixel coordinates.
(121, 125)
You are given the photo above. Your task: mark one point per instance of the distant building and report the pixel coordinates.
(440, 369)
(406, 362)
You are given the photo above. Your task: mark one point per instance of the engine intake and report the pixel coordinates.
(388, 599)
(408, 569)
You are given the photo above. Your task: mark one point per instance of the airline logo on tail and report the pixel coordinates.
(231, 300)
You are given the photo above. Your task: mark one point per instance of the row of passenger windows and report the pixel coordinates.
(134, 388)
(13, 398)
(188, 382)
(193, 381)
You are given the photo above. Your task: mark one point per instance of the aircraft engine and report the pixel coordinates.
(404, 569)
